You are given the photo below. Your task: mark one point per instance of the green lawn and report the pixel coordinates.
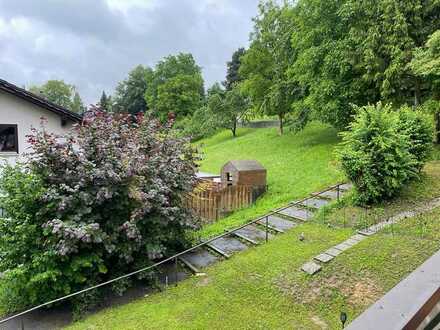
(263, 287)
(297, 164)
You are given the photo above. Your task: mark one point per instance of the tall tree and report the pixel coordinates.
(324, 66)
(385, 34)
(176, 87)
(356, 52)
(227, 107)
(77, 104)
(60, 93)
(130, 93)
(105, 102)
(426, 64)
(233, 67)
(264, 65)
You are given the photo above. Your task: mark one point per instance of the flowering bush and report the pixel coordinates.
(102, 201)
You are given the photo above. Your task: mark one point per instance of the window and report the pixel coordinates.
(229, 178)
(8, 138)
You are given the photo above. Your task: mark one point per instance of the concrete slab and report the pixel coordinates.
(311, 267)
(252, 234)
(342, 246)
(333, 252)
(366, 232)
(198, 259)
(278, 223)
(324, 257)
(346, 186)
(330, 194)
(297, 213)
(358, 237)
(168, 275)
(229, 244)
(315, 202)
(351, 242)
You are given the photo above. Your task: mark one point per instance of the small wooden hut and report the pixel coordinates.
(243, 172)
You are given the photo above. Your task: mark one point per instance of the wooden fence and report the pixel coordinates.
(213, 204)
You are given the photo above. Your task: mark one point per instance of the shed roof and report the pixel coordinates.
(38, 100)
(246, 165)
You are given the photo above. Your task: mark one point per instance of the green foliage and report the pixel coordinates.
(233, 69)
(227, 108)
(313, 59)
(375, 154)
(176, 87)
(60, 93)
(264, 65)
(201, 124)
(105, 102)
(105, 200)
(384, 35)
(130, 93)
(418, 128)
(323, 66)
(426, 60)
(296, 165)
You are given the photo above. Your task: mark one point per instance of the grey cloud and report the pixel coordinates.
(93, 46)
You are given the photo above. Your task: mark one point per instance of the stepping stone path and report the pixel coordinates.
(311, 267)
(195, 261)
(336, 250)
(198, 259)
(227, 245)
(252, 234)
(277, 222)
(315, 203)
(296, 212)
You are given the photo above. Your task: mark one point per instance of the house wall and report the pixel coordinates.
(14, 110)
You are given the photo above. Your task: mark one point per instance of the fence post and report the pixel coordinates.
(267, 227)
(175, 271)
(337, 192)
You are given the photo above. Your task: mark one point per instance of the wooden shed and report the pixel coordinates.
(243, 172)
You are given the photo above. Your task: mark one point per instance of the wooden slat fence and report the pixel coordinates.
(213, 204)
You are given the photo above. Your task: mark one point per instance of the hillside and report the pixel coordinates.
(297, 164)
(263, 288)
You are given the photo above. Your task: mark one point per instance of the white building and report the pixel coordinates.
(20, 110)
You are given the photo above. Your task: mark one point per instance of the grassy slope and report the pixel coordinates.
(297, 164)
(263, 288)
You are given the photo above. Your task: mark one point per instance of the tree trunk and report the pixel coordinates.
(437, 127)
(280, 116)
(234, 128)
(417, 92)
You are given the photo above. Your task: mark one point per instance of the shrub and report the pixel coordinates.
(106, 202)
(375, 154)
(418, 128)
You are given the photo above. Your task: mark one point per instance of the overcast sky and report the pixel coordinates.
(94, 43)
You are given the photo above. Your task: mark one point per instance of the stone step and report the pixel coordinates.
(169, 275)
(297, 213)
(315, 202)
(346, 186)
(252, 234)
(277, 223)
(197, 259)
(311, 267)
(227, 245)
(330, 194)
